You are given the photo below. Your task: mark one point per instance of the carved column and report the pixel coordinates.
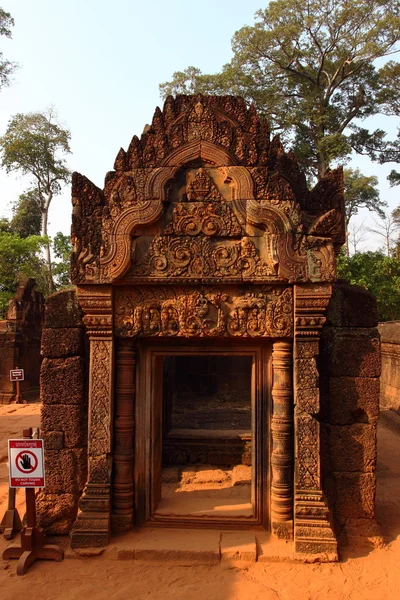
(124, 411)
(313, 532)
(92, 526)
(282, 446)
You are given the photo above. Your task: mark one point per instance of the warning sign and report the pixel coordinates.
(17, 375)
(25, 458)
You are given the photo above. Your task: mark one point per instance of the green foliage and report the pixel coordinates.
(27, 215)
(309, 66)
(378, 273)
(62, 249)
(361, 191)
(18, 257)
(6, 67)
(34, 145)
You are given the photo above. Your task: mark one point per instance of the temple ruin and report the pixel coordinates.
(215, 336)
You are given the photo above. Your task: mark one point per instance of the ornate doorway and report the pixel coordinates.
(205, 237)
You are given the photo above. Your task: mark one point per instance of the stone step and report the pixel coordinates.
(201, 547)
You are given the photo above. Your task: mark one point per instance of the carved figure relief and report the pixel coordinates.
(190, 312)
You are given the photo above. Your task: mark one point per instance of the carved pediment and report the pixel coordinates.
(203, 184)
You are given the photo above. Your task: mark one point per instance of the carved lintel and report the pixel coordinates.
(313, 531)
(204, 312)
(124, 410)
(282, 446)
(92, 526)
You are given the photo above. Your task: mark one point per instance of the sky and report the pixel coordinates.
(99, 65)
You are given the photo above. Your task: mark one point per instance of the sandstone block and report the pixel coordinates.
(362, 533)
(351, 306)
(353, 447)
(56, 512)
(65, 471)
(53, 440)
(350, 352)
(68, 419)
(355, 496)
(63, 310)
(62, 380)
(58, 343)
(353, 400)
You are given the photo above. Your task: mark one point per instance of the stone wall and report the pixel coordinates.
(350, 366)
(64, 412)
(390, 378)
(20, 334)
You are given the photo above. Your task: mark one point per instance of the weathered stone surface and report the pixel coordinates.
(350, 352)
(353, 447)
(351, 306)
(390, 378)
(59, 343)
(69, 419)
(65, 471)
(20, 333)
(53, 440)
(63, 310)
(353, 400)
(355, 496)
(364, 533)
(55, 512)
(62, 380)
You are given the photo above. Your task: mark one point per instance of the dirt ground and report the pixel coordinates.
(362, 574)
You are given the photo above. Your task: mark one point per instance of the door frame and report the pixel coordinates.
(148, 437)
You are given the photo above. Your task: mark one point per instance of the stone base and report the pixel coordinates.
(313, 532)
(121, 523)
(92, 527)
(91, 530)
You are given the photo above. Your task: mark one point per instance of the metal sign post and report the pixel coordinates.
(27, 470)
(17, 375)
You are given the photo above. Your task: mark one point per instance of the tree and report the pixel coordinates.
(356, 234)
(6, 66)
(360, 191)
(18, 256)
(26, 218)
(386, 229)
(379, 274)
(34, 145)
(309, 66)
(62, 249)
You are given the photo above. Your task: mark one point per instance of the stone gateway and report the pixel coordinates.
(204, 271)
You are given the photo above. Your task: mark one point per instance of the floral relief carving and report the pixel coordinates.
(99, 442)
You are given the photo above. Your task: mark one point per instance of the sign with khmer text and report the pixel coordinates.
(25, 458)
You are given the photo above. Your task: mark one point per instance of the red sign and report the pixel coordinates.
(26, 463)
(17, 375)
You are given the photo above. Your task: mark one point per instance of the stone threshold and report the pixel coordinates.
(188, 547)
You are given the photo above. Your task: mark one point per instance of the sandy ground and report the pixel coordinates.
(363, 574)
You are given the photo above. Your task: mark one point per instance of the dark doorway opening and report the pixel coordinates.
(206, 437)
(201, 455)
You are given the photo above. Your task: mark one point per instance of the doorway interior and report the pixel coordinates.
(201, 456)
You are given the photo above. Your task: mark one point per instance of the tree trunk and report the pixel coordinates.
(47, 251)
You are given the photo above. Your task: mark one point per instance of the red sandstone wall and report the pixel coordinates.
(350, 367)
(390, 378)
(64, 412)
(20, 335)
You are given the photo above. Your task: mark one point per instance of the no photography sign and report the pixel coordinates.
(25, 458)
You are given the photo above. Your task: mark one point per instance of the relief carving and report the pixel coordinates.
(188, 257)
(189, 312)
(212, 219)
